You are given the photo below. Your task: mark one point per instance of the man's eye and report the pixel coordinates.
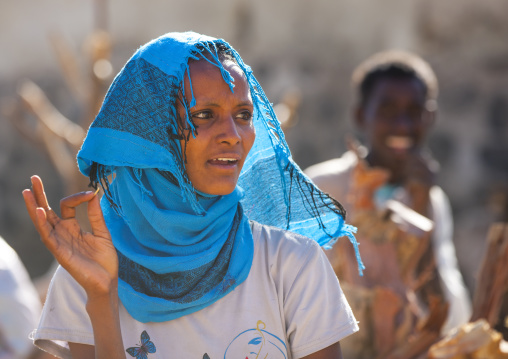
(204, 115)
(416, 112)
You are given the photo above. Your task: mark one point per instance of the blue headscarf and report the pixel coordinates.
(180, 250)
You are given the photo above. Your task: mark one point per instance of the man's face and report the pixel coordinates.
(395, 121)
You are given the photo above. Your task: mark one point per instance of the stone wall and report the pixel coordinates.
(311, 46)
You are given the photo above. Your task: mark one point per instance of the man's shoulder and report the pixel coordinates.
(333, 176)
(332, 167)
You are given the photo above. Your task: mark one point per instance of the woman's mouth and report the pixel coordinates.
(224, 161)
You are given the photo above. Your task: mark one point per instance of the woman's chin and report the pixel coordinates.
(221, 189)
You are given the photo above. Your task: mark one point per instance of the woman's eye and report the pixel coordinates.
(204, 115)
(245, 115)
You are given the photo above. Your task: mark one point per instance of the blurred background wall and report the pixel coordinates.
(308, 46)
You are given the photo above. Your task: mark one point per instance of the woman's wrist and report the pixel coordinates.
(103, 300)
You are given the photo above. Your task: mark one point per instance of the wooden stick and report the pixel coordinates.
(70, 67)
(493, 277)
(13, 109)
(426, 335)
(36, 102)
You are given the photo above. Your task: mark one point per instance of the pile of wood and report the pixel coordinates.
(42, 124)
(399, 302)
(477, 339)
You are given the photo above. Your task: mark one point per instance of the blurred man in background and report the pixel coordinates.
(396, 107)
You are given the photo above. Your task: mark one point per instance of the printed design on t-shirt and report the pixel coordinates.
(141, 351)
(256, 343)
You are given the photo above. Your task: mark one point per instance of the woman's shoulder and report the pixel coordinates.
(280, 243)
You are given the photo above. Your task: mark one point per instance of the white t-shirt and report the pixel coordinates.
(290, 306)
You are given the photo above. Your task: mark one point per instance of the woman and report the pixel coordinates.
(196, 177)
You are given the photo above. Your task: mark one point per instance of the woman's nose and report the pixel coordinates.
(229, 131)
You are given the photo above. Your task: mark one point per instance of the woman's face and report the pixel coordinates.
(225, 130)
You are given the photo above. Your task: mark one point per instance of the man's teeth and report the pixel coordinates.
(399, 142)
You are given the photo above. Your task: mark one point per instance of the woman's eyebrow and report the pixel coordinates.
(245, 103)
(215, 104)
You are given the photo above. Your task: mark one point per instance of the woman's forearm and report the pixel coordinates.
(105, 319)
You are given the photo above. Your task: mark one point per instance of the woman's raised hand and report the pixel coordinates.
(90, 258)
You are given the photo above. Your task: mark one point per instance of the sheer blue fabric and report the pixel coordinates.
(181, 250)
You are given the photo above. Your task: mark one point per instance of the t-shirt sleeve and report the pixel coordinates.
(64, 318)
(316, 311)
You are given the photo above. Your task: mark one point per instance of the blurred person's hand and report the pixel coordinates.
(419, 177)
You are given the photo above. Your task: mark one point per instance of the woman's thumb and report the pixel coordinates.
(96, 218)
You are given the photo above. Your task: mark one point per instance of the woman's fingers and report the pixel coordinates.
(31, 204)
(38, 215)
(56, 244)
(45, 220)
(96, 218)
(43, 227)
(41, 200)
(68, 210)
(68, 204)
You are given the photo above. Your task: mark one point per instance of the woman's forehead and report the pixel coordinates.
(205, 74)
(204, 67)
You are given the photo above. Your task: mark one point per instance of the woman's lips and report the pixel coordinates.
(224, 161)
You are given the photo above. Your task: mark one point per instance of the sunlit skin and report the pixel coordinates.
(395, 121)
(226, 133)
